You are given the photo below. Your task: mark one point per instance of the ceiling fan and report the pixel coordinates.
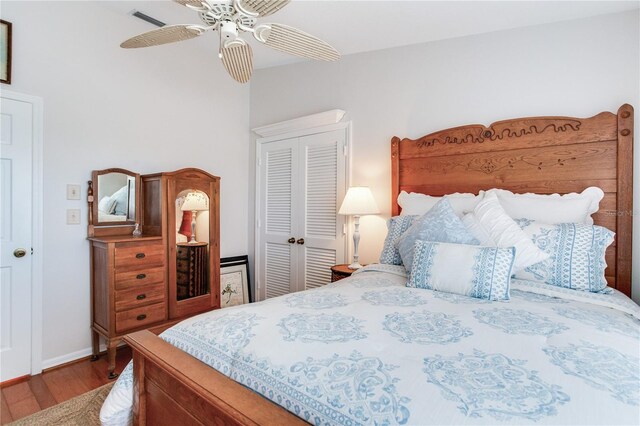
(232, 18)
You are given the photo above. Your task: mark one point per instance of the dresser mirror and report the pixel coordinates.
(113, 198)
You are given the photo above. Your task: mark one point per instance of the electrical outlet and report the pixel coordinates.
(73, 216)
(73, 192)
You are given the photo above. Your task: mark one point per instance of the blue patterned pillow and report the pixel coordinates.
(397, 225)
(474, 271)
(440, 224)
(576, 255)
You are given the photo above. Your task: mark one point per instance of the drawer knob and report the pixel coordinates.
(141, 296)
(140, 256)
(141, 317)
(141, 276)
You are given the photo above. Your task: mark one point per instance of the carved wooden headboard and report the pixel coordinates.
(535, 154)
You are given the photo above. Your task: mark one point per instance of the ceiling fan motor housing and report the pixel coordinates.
(228, 30)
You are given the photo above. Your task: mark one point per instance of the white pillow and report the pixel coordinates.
(120, 200)
(492, 226)
(481, 272)
(416, 204)
(554, 208)
(105, 205)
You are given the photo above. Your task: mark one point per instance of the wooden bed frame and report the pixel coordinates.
(537, 154)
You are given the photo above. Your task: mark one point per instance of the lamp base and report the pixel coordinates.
(355, 265)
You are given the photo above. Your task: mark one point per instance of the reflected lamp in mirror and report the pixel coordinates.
(194, 202)
(359, 201)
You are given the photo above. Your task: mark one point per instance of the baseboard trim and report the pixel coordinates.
(14, 381)
(60, 361)
(65, 359)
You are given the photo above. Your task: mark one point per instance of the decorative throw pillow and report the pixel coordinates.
(415, 203)
(490, 219)
(440, 224)
(397, 225)
(480, 272)
(576, 255)
(553, 208)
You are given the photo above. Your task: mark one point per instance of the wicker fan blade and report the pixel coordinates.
(263, 7)
(238, 61)
(164, 35)
(196, 3)
(292, 40)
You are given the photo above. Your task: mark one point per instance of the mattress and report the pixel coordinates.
(368, 350)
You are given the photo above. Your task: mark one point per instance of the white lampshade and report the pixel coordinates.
(359, 201)
(195, 201)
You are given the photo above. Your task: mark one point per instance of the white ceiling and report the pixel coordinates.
(365, 25)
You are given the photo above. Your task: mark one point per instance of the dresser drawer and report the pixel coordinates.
(129, 279)
(138, 255)
(139, 296)
(140, 317)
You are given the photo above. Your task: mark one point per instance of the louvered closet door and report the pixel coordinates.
(301, 181)
(322, 175)
(278, 182)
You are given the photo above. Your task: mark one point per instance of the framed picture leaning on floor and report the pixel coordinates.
(234, 281)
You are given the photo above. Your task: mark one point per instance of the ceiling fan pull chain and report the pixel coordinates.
(220, 46)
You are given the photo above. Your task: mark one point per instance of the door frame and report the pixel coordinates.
(348, 127)
(37, 192)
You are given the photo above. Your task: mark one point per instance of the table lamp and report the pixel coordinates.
(358, 201)
(195, 202)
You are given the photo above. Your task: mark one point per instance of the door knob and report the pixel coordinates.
(20, 252)
(300, 241)
(291, 240)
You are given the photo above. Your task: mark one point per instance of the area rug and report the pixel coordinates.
(82, 410)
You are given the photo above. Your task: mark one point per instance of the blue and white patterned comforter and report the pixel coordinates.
(368, 350)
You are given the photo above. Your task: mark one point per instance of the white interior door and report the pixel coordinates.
(16, 144)
(322, 171)
(277, 223)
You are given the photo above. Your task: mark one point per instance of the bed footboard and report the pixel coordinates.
(172, 387)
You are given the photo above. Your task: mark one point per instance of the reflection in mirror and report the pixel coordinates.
(116, 198)
(192, 238)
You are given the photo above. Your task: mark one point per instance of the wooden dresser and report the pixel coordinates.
(154, 280)
(129, 288)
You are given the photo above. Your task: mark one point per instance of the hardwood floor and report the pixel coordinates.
(55, 386)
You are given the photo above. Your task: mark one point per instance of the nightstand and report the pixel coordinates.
(339, 272)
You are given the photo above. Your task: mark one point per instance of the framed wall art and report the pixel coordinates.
(234, 281)
(5, 52)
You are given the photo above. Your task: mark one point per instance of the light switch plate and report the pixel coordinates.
(73, 192)
(73, 216)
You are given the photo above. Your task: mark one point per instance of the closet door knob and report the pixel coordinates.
(291, 240)
(300, 241)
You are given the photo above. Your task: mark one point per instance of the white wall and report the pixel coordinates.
(576, 68)
(146, 110)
